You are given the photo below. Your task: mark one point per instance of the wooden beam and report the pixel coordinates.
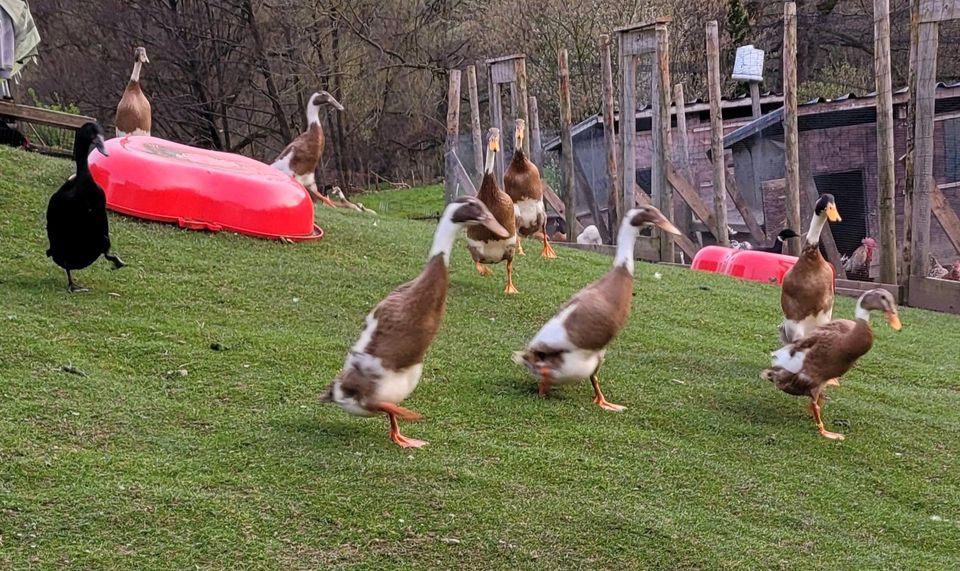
(933, 11)
(43, 116)
(523, 109)
(692, 198)
(661, 139)
(614, 188)
(716, 133)
(683, 218)
(587, 191)
(923, 145)
(556, 203)
(755, 99)
(886, 182)
(746, 212)
(946, 216)
(792, 150)
(909, 170)
(628, 125)
(937, 295)
(566, 138)
(453, 133)
(475, 130)
(811, 196)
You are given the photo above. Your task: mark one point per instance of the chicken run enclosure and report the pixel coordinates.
(891, 157)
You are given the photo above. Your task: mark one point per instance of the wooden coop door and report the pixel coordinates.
(848, 189)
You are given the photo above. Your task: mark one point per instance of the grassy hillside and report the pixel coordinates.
(168, 454)
(408, 203)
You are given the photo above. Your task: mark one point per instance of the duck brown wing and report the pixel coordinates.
(601, 311)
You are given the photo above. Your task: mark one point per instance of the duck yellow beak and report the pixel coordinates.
(832, 214)
(894, 320)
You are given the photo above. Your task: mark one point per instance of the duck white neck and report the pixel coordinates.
(313, 113)
(137, 66)
(816, 227)
(445, 235)
(488, 166)
(860, 313)
(626, 239)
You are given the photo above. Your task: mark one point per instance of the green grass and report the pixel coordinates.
(235, 464)
(405, 203)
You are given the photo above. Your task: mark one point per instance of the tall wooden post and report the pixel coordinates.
(790, 128)
(683, 215)
(536, 146)
(662, 191)
(885, 152)
(755, 99)
(496, 120)
(614, 189)
(716, 133)
(475, 119)
(523, 109)
(923, 180)
(566, 142)
(453, 133)
(628, 125)
(909, 169)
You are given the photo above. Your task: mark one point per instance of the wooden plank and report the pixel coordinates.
(503, 72)
(536, 146)
(643, 25)
(645, 249)
(614, 189)
(886, 182)
(946, 216)
(746, 212)
(43, 116)
(811, 196)
(692, 198)
(587, 190)
(683, 218)
(792, 150)
(755, 99)
(716, 134)
(932, 11)
(923, 145)
(453, 133)
(936, 295)
(499, 59)
(475, 131)
(566, 138)
(628, 126)
(523, 110)
(661, 139)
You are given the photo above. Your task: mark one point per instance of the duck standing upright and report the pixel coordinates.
(807, 294)
(300, 158)
(571, 346)
(384, 366)
(488, 247)
(134, 116)
(522, 183)
(77, 224)
(809, 365)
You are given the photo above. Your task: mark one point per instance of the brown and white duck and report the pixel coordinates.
(301, 157)
(809, 365)
(807, 293)
(522, 183)
(384, 365)
(487, 247)
(571, 346)
(134, 116)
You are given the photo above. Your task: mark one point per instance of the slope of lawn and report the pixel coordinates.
(419, 202)
(169, 419)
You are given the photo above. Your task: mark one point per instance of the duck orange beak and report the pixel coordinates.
(894, 320)
(832, 214)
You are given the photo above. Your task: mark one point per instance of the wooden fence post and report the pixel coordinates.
(755, 99)
(909, 169)
(475, 119)
(566, 143)
(628, 126)
(885, 153)
(716, 134)
(523, 110)
(683, 215)
(496, 120)
(614, 189)
(661, 138)
(923, 180)
(536, 146)
(792, 144)
(453, 133)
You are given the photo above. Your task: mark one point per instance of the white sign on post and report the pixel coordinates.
(749, 64)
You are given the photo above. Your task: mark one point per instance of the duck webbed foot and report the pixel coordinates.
(74, 287)
(482, 269)
(510, 289)
(599, 398)
(393, 411)
(115, 260)
(520, 251)
(815, 409)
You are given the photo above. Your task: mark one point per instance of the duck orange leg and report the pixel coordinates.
(510, 289)
(482, 269)
(815, 405)
(547, 248)
(393, 411)
(543, 387)
(598, 396)
(520, 251)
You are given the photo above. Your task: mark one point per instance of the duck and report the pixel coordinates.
(807, 293)
(572, 344)
(77, 224)
(806, 367)
(133, 111)
(777, 246)
(384, 366)
(590, 235)
(300, 158)
(485, 246)
(522, 183)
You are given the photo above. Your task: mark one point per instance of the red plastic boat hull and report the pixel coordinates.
(159, 180)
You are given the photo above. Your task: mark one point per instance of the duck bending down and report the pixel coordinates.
(301, 157)
(807, 293)
(77, 224)
(571, 346)
(522, 183)
(809, 365)
(488, 247)
(384, 366)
